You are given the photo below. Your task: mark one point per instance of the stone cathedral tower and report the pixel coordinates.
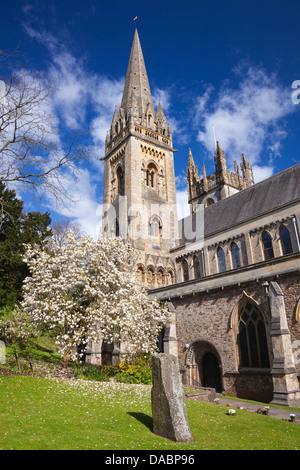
(139, 181)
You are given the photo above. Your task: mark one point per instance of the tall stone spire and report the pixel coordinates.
(137, 84)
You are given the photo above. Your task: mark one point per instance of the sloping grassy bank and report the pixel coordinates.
(49, 413)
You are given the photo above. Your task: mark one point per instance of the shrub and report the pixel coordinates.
(135, 370)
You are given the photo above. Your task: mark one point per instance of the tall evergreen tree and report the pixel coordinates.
(17, 228)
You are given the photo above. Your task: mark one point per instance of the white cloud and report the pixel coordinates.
(72, 89)
(162, 95)
(262, 172)
(247, 118)
(183, 207)
(82, 100)
(84, 206)
(105, 95)
(177, 126)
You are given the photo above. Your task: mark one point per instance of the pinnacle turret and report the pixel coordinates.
(191, 162)
(219, 185)
(220, 162)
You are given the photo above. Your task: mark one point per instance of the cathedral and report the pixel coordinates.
(229, 271)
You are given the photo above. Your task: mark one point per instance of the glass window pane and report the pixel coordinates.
(235, 256)
(285, 239)
(242, 340)
(196, 267)
(185, 270)
(221, 260)
(253, 345)
(252, 339)
(267, 246)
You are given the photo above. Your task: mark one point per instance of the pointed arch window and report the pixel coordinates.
(221, 260)
(155, 227)
(151, 175)
(185, 270)
(141, 274)
(267, 246)
(235, 256)
(170, 277)
(160, 278)
(150, 277)
(285, 241)
(252, 339)
(120, 182)
(197, 271)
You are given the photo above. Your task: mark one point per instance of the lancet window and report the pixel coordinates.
(235, 256)
(221, 260)
(252, 340)
(267, 246)
(285, 241)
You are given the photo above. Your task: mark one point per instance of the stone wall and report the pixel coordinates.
(208, 317)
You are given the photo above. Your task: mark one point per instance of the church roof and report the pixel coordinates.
(137, 89)
(257, 200)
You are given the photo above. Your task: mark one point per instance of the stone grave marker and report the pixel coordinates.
(168, 400)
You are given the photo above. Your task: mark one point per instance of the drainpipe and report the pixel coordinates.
(296, 231)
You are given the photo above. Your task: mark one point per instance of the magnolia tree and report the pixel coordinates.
(85, 290)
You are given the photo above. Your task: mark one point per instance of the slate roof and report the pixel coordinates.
(255, 201)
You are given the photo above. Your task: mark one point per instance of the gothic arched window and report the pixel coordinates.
(155, 228)
(185, 270)
(252, 339)
(221, 260)
(170, 277)
(120, 181)
(235, 256)
(140, 274)
(160, 278)
(150, 277)
(267, 246)
(197, 271)
(285, 241)
(151, 175)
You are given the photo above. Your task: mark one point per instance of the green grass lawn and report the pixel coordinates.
(42, 413)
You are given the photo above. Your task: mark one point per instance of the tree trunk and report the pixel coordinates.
(17, 359)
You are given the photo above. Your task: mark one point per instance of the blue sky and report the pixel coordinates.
(222, 66)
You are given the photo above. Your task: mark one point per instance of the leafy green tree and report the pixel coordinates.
(17, 228)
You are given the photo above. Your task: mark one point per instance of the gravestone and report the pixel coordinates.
(168, 400)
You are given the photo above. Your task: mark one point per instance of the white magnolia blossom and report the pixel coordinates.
(85, 290)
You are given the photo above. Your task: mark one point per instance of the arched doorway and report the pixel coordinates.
(211, 372)
(203, 366)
